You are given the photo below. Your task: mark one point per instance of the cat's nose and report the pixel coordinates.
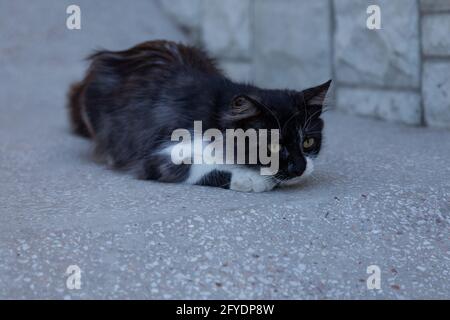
(296, 170)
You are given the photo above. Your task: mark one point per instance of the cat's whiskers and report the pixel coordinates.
(311, 117)
(274, 115)
(296, 113)
(308, 122)
(312, 175)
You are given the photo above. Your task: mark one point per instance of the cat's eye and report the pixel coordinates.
(274, 147)
(308, 143)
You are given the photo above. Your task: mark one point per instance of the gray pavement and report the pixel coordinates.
(380, 195)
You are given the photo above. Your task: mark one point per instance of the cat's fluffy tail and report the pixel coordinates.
(75, 107)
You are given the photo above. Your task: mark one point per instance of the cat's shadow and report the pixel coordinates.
(310, 183)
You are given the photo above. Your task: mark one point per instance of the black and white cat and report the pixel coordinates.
(131, 101)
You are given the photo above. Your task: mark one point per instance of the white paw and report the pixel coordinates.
(246, 180)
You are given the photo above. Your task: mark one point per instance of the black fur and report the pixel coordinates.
(134, 99)
(216, 178)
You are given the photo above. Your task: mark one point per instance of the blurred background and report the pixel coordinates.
(400, 73)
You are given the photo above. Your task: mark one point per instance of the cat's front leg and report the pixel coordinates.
(230, 177)
(250, 180)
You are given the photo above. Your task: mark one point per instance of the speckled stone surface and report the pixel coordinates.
(380, 195)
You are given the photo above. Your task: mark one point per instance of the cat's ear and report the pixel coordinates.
(243, 107)
(315, 96)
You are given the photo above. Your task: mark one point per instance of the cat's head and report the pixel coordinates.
(297, 116)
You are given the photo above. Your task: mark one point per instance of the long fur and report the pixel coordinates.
(131, 101)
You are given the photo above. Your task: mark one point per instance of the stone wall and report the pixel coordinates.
(400, 73)
(378, 71)
(435, 30)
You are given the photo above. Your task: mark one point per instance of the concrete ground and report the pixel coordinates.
(380, 196)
